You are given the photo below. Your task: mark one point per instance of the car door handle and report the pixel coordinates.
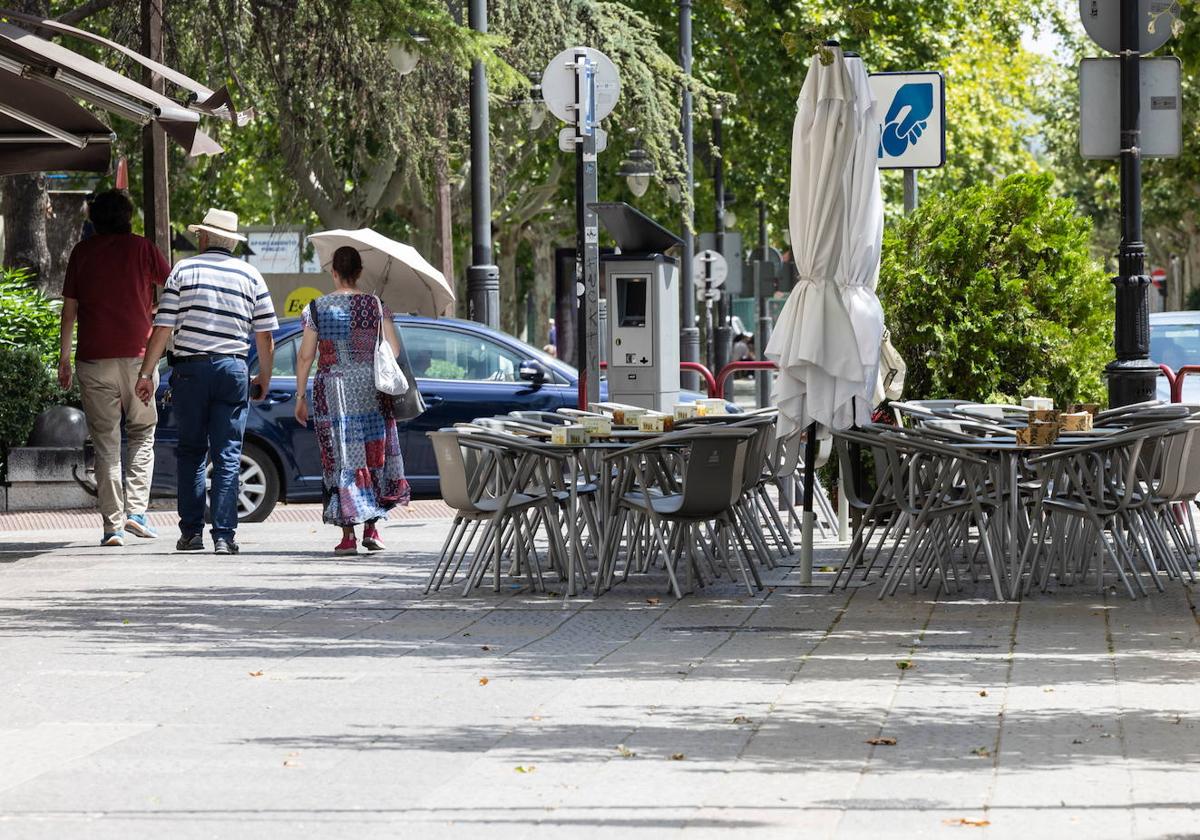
(432, 399)
(277, 397)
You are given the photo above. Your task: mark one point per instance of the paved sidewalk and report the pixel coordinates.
(283, 693)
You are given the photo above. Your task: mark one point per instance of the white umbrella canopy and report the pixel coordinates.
(858, 273)
(396, 272)
(813, 342)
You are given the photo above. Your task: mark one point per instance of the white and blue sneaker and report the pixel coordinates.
(136, 524)
(113, 539)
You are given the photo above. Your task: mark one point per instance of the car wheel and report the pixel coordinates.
(258, 484)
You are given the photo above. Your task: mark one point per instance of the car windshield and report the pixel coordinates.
(1175, 345)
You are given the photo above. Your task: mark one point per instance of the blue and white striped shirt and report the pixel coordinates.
(213, 302)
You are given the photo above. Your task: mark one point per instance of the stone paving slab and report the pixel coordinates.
(287, 692)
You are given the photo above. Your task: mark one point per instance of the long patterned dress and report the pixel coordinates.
(363, 469)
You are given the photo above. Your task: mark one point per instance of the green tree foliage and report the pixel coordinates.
(759, 50)
(28, 319)
(991, 293)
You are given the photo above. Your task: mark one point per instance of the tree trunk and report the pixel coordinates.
(508, 240)
(445, 212)
(543, 290)
(26, 209)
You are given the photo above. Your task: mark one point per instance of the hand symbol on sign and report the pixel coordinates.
(900, 132)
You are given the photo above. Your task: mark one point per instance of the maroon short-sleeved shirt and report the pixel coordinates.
(112, 275)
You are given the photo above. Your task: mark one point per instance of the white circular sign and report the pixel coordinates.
(710, 267)
(1102, 22)
(558, 84)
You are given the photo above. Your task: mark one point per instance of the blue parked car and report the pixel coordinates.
(464, 370)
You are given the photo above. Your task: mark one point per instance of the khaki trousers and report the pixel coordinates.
(106, 386)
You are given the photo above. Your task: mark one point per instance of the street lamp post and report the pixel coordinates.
(723, 340)
(1132, 376)
(483, 277)
(689, 339)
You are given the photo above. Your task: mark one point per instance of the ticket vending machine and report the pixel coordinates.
(642, 296)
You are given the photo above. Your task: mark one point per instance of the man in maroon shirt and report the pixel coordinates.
(110, 290)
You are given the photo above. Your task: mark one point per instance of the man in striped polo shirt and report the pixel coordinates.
(211, 305)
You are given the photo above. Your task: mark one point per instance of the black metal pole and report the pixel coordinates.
(483, 277)
(689, 333)
(761, 301)
(722, 340)
(1131, 376)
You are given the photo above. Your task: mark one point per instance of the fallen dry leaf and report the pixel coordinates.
(291, 762)
(982, 752)
(905, 664)
(654, 602)
(965, 821)
(677, 756)
(525, 769)
(742, 719)
(483, 680)
(485, 647)
(535, 717)
(256, 673)
(983, 694)
(625, 751)
(882, 742)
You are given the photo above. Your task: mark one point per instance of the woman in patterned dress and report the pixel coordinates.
(363, 471)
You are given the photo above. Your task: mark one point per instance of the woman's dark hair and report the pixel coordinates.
(347, 263)
(111, 212)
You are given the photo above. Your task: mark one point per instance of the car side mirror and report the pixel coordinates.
(533, 373)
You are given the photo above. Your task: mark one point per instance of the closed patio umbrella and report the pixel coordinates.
(858, 273)
(394, 271)
(814, 343)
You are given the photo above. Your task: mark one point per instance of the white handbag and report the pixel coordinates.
(389, 379)
(892, 369)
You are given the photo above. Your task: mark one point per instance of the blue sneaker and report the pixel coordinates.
(136, 524)
(113, 539)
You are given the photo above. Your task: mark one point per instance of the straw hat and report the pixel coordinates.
(221, 222)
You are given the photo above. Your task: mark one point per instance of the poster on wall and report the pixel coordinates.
(274, 251)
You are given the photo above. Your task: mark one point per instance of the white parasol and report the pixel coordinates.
(858, 272)
(394, 271)
(813, 342)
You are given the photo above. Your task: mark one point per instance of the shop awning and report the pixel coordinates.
(200, 97)
(50, 65)
(42, 129)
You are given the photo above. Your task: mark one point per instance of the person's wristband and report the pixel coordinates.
(147, 376)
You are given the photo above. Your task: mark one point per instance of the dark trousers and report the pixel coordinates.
(210, 397)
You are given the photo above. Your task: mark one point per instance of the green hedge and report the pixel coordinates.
(991, 294)
(28, 319)
(29, 387)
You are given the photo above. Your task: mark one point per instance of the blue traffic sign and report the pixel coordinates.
(911, 109)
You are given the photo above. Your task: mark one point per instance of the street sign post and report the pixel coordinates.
(581, 86)
(1140, 26)
(710, 272)
(911, 108)
(1160, 108)
(1102, 22)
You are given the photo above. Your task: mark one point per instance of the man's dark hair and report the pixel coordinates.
(112, 212)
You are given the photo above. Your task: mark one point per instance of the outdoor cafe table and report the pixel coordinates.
(579, 464)
(1009, 457)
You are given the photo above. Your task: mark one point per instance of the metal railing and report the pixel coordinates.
(1175, 379)
(717, 388)
(694, 367)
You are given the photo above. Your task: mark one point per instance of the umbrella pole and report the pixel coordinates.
(810, 467)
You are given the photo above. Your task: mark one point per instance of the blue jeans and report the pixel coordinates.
(210, 397)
